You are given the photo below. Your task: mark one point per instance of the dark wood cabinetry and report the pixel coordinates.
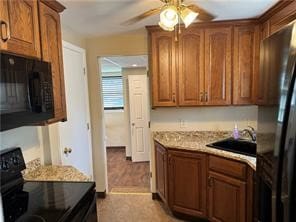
(245, 64)
(161, 172)
(196, 70)
(187, 183)
(227, 190)
(227, 198)
(191, 67)
(215, 63)
(203, 185)
(20, 27)
(51, 44)
(218, 54)
(163, 66)
(32, 28)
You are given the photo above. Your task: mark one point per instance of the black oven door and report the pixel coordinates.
(86, 210)
(26, 91)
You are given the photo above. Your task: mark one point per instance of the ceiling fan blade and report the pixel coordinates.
(142, 16)
(202, 14)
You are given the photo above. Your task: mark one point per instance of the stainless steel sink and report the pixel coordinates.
(236, 146)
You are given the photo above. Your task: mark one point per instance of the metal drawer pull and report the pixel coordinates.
(174, 98)
(3, 23)
(202, 97)
(206, 97)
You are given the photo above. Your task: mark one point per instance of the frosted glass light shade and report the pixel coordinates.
(188, 16)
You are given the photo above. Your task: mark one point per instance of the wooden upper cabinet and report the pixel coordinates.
(50, 28)
(265, 30)
(227, 198)
(187, 183)
(163, 67)
(245, 64)
(218, 42)
(283, 17)
(191, 67)
(20, 27)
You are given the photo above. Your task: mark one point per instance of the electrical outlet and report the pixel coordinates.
(182, 123)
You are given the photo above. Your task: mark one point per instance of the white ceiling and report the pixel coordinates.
(114, 64)
(103, 17)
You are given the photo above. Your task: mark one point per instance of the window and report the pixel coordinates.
(112, 92)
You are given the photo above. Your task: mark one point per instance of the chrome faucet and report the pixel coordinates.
(251, 133)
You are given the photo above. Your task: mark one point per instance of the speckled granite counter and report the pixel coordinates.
(197, 141)
(55, 173)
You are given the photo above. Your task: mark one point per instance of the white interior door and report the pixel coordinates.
(75, 132)
(139, 117)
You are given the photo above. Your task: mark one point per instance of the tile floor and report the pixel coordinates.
(132, 208)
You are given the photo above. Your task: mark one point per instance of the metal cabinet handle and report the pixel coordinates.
(210, 181)
(3, 23)
(202, 97)
(174, 98)
(206, 97)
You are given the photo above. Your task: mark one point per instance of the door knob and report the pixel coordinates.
(67, 150)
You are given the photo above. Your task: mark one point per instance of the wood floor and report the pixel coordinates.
(124, 175)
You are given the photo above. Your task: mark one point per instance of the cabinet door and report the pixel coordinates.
(161, 172)
(19, 20)
(52, 52)
(187, 183)
(163, 66)
(191, 67)
(218, 66)
(245, 64)
(227, 198)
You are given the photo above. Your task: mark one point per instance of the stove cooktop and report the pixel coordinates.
(44, 201)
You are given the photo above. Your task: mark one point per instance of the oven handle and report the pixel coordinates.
(90, 209)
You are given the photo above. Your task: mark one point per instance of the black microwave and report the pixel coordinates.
(26, 91)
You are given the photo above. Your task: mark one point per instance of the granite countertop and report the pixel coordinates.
(197, 141)
(54, 173)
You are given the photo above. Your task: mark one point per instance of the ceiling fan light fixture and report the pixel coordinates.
(169, 17)
(188, 16)
(166, 28)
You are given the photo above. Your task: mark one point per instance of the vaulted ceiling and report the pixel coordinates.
(103, 17)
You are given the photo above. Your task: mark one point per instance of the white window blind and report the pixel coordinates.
(112, 92)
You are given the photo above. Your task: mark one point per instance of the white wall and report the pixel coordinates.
(203, 118)
(28, 138)
(116, 128)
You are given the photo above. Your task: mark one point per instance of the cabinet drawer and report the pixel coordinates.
(228, 167)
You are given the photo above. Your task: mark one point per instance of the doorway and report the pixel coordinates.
(125, 137)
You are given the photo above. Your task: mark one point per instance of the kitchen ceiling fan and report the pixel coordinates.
(172, 12)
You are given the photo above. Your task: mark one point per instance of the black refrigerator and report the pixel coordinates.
(275, 184)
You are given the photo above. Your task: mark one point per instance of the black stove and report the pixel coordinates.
(42, 201)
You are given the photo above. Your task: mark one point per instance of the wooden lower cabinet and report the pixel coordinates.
(204, 186)
(187, 183)
(227, 198)
(161, 172)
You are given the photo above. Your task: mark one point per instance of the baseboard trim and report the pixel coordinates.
(155, 196)
(115, 147)
(128, 158)
(101, 195)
